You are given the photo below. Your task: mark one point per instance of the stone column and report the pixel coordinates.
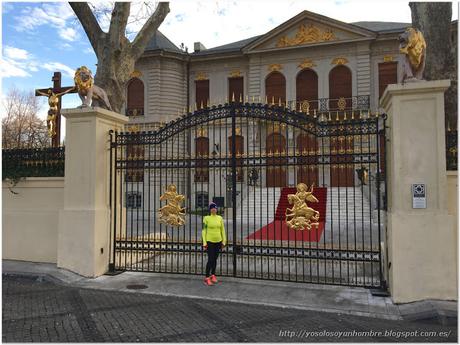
(422, 247)
(84, 223)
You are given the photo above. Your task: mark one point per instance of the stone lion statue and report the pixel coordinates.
(413, 47)
(89, 93)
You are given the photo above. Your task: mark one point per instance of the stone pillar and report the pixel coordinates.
(84, 223)
(422, 247)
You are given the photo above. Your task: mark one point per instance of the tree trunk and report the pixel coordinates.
(433, 19)
(116, 55)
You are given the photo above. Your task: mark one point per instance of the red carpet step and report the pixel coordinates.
(278, 230)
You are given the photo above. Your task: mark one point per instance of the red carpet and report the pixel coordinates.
(278, 230)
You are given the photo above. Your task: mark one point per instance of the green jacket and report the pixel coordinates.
(213, 229)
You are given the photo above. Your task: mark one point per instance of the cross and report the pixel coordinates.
(54, 100)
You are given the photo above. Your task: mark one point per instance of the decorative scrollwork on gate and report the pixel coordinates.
(172, 213)
(300, 216)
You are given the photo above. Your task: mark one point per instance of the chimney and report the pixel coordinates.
(198, 46)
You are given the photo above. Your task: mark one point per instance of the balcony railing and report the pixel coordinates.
(331, 104)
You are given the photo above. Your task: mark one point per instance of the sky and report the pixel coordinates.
(39, 38)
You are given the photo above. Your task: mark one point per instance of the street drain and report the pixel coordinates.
(136, 287)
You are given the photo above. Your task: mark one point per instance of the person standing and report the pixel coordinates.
(214, 239)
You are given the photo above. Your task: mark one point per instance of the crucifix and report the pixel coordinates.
(54, 112)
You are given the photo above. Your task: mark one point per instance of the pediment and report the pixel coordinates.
(307, 29)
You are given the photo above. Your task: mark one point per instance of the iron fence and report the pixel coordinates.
(43, 162)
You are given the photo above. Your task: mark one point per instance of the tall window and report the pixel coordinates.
(201, 93)
(388, 74)
(239, 148)
(202, 159)
(236, 89)
(340, 86)
(135, 97)
(275, 88)
(307, 90)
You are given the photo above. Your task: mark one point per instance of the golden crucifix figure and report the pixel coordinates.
(53, 102)
(300, 216)
(172, 213)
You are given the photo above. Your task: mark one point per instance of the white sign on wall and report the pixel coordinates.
(418, 195)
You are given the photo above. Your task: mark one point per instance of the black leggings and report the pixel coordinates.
(213, 253)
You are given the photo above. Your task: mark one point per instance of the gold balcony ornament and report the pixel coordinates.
(305, 107)
(306, 34)
(172, 213)
(136, 74)
(300, 216)
(342, 103)
(339, 61)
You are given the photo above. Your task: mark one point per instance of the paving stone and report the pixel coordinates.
(43, 311)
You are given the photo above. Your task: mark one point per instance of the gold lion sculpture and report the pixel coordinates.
(90, 94)
(413, 47)
(300, 216)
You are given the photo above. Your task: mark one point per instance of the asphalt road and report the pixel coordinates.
(35, 310)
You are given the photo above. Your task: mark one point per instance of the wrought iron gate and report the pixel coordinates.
(248, 158)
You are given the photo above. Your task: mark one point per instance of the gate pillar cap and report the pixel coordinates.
(94, 112)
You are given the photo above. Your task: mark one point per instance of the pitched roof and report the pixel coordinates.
(160, 41)
(382, 26)
(234, 46)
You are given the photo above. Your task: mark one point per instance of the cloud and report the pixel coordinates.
(54, 14)
(57, 66)
(68, 34)
(88, 51)
(15, 53)
(10, 68)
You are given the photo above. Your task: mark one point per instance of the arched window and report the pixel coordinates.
(202, 156)
(275, 88)
(276, 163)
(340, 86)
(307, 90)
(239, 148)
(135, 100)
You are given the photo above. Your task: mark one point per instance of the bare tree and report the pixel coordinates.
(434, 20)
(117, 55)
(21, 126)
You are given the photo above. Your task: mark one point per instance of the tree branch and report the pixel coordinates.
(118, 23)
(149, 29)
(89, 23)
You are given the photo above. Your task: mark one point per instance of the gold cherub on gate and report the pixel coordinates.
(172, 213)
(300, 216)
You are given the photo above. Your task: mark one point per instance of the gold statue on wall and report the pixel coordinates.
(300, 216)
(172, 213)
(53, 102)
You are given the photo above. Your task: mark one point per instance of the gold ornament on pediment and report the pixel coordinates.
(238, 131)
(306, 34)
(388, 58)
(136, 74)
(339, 61)
(201, 76)
(235, 74)
(307, 63)
(275, 67)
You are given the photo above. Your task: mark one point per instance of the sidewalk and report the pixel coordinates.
(323, 298)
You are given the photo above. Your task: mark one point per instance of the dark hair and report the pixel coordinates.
(212, 205)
